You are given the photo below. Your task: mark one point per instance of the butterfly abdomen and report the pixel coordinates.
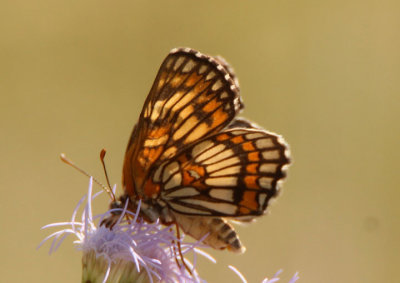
(221, 235)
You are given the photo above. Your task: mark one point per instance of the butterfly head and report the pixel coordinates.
(147, 209)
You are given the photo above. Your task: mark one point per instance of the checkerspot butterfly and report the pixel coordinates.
(191, 162)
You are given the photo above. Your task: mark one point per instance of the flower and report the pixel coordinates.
(274, 279)
(133, 251)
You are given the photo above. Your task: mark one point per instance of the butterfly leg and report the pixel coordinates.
(175, 253)
(180, 250)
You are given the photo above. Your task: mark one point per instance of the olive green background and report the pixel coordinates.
(324, 74)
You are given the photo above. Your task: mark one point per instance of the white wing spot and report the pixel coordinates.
(268, 167)
(222, 181)
(189, 66)
(157, 110)
(271, 154)
(210, 152)
(178, 63)
(210, 75)
(183, 192)
(227, 171)
(194, 174)
(156, 142)
(264, 143)
(227, 162)
(253, 136)
(219, 156)
(265, 182)
(217, 85)
(224, 95)
(199, 148)
(175, 181)
(261, 199)
(202, 69)
(170, 169)
(223, 194)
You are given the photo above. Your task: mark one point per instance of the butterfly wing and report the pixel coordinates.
(193, 96)
(233, 174)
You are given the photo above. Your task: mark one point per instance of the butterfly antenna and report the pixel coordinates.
(102, 155)
(72, 164)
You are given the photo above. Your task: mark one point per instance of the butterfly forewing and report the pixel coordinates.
(193, 96)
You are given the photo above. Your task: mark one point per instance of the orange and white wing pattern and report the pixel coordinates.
(191, 161)
(193, 96)
(230, 174)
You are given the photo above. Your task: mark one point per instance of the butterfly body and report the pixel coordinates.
(191, 162)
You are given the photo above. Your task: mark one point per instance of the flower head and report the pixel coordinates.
(275, 278)
(132, 249)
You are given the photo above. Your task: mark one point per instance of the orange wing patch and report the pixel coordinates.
(249, 200)
(252, 168)
(253, 156)
(251, 181)
(248, 146)
(238, 139)
(222, 137)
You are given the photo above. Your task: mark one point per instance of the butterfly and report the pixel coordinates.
(191, 162)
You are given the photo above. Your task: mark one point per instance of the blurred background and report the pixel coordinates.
(324, 74)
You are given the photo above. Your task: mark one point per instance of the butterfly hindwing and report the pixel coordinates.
(232, 174)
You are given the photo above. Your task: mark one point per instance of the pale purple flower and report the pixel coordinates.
(136, 250)
(275, 278)
(133, 251)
